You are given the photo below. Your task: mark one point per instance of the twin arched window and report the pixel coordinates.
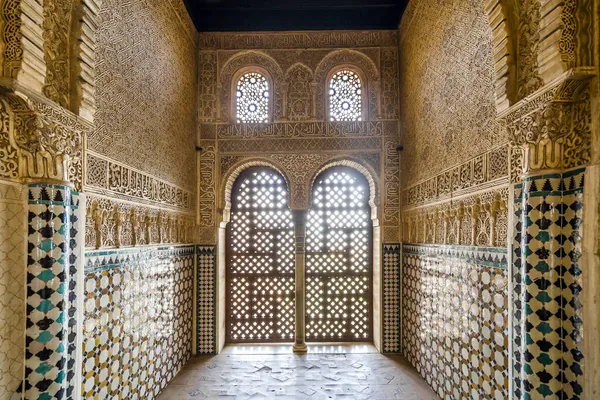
(253, 95)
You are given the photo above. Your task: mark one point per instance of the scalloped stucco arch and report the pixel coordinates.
(232, 174)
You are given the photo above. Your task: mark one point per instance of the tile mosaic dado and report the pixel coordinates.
(12, 296)
(206, 279)
(455, 318)
(391, 298)
(548, 337)
(137, 320)
(50, 248)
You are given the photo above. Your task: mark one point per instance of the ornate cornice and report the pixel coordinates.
(42, 142)
(552, 126)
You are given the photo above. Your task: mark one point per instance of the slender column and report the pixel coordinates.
(300, 237)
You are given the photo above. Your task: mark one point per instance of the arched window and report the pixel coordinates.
(260, 259)
(252, 94)
(339, 272)
(346, 96)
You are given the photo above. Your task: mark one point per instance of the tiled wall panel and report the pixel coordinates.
(548, 333)
(48, 372)
(455, 319)
(12, 293)
(138, 320)
(391, 298)
(206, 301)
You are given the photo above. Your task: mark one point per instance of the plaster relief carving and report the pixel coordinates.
(47, 140)
(553, 128)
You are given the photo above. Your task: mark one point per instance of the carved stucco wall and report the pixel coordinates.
(455, 169)
(299, 141)
(146, 83)
(446, 86)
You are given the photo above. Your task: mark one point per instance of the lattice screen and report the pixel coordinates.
(339, 258)
(260, 260)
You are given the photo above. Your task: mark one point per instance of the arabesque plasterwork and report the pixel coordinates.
(41, 142)
(553, 127)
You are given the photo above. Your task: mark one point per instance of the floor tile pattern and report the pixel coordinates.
(12, 293)
(549, 336)
(298, 377)
(137, 320)
(391, 298)
(455, 319)
(46, 332)
(206, 262)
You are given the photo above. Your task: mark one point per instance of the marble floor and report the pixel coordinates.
(274, 372)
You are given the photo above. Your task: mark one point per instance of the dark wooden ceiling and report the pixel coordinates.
(289, 15)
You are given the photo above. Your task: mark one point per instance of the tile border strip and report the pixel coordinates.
(496, 257)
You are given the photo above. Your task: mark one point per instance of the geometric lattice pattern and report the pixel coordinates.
(252, 98)
(548, 337)
(455, 319)
(260, 260)
(391, 298)
(206, 282)
(339, 258)
(48, 305)
(12, 295)
(345, 96)
(73, 283)
(137, 320)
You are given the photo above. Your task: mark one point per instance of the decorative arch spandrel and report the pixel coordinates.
(300, 93)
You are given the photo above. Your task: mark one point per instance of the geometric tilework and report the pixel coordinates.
(12, 292)
(72, 296)
(391, 298)
(455, 319)
(49, 250)
(548, 338)
(137, 320)
(206, 270)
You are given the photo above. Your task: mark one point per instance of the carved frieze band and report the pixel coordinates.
(112, 223)
(300, 40)
(299, 145)
(110, 178)
(475, 220)
(489, 169)
(300, 130)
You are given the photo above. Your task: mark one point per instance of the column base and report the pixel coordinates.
(300, 348)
